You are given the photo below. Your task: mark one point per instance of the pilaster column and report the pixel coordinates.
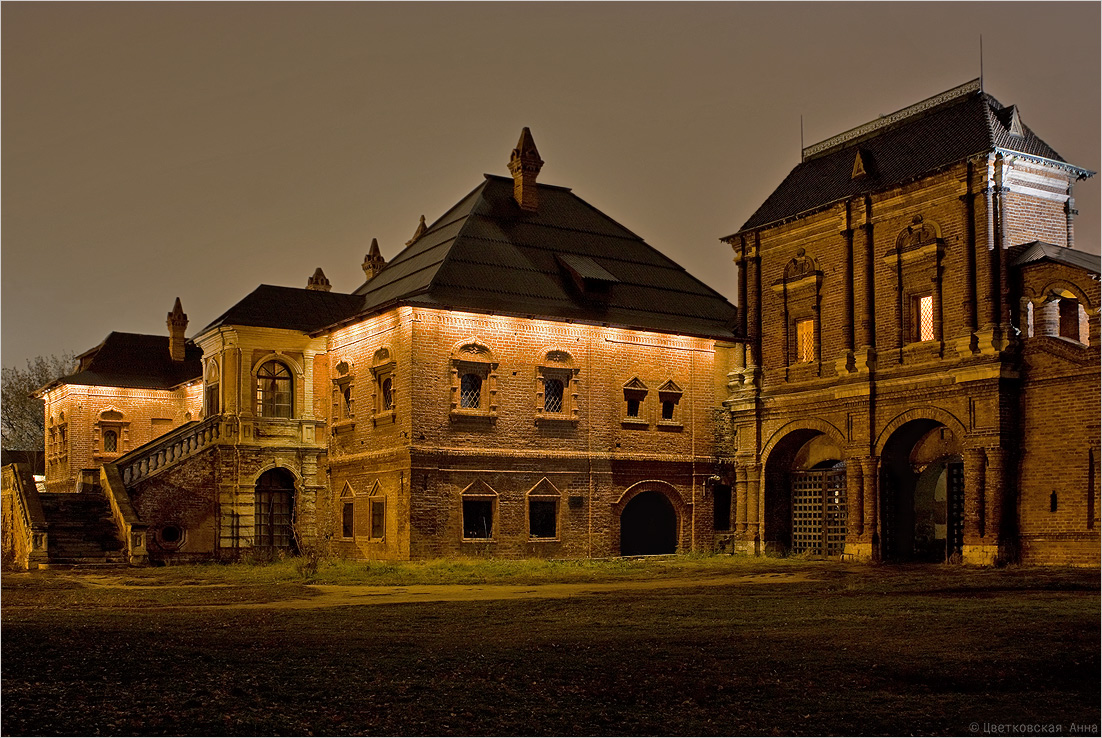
(848, 288)
(855, 513)
(753, 501)
(974, 479)
(870, 474)
(753, 308)
(740, 500)
(995, 495)
(864, 289)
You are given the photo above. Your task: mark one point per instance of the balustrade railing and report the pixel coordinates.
(185, 441)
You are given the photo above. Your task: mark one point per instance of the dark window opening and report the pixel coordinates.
(378, 519)
(1069, 318)
(478, 518)
(388, 393)
(348, 518)
(171, 534)
(1052, 502)
(667, 409)
(470, 391)
(633, 407)
(541, 518)
(346, 399)
(273, 390)
(110, 441)
(552, 395)
(721, 513)
(212, 399)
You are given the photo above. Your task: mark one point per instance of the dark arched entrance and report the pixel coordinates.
(275, 499)
(805, 495)
(648, 525)
(922, 494)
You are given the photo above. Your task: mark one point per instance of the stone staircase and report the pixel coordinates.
(81, 530)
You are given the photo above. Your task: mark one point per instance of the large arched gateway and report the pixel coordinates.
(922, 493)
(648, 525)
(805, 495)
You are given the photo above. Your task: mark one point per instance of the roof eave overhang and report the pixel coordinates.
(1079, 172)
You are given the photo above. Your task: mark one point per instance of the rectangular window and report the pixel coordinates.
(667, 409)
(805, 340)
(542, 518)
(212, 399)
(346, 399)
(922, 309)
(478, 518)
(348, 526)
(378, 519)
(721, 514)
(633, 407)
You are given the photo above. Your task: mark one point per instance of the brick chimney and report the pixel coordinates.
(318, 282)
(177, 324)
(374, 261)
(525, 165)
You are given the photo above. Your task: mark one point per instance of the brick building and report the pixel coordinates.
(529, 378)
(526, 378)
(921, 376)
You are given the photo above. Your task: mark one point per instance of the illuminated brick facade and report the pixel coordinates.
(972, 436)
(916, 357)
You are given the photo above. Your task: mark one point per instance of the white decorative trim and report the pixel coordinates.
(966, 89)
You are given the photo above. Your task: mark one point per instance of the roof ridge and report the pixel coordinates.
(885, 121)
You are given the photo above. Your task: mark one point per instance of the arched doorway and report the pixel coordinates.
(274, 514)
(805, 495)
(922, 494)
(648, 525)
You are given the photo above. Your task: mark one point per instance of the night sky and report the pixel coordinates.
(156, 150)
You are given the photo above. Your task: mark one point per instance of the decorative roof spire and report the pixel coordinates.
(525, 164)
(374, 261)
(421, 228)
(177, 324)
(318, 282)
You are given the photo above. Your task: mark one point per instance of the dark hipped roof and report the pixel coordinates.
(917, 140)
(289, 308)
(1041, 251)
(135, 360)
(565, 260)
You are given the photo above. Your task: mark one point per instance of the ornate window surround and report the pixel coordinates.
(557, 363)
(473, 356)
(382, 370)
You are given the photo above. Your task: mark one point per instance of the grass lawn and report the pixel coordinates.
(797, 648)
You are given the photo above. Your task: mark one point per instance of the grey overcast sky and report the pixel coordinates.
(155, 150)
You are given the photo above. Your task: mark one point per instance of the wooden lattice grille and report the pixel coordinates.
(819, 512)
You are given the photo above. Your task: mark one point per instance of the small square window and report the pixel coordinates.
(552, 395)
(542, 516)
(478, 518)
(470, 391)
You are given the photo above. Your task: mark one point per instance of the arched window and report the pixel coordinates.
(388, 392)
(470, 391)
(273, 390)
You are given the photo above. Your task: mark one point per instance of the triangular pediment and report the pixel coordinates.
(375, 490)
(544, 488)
(671, 386)
(347, 491)
(635, 384)
(478, 488)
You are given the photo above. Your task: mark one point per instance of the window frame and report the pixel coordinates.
(921, 332)
(262, 393)
(383, 368)
(803, 346)
(671, 393)
(474, 357)
(557, 364)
